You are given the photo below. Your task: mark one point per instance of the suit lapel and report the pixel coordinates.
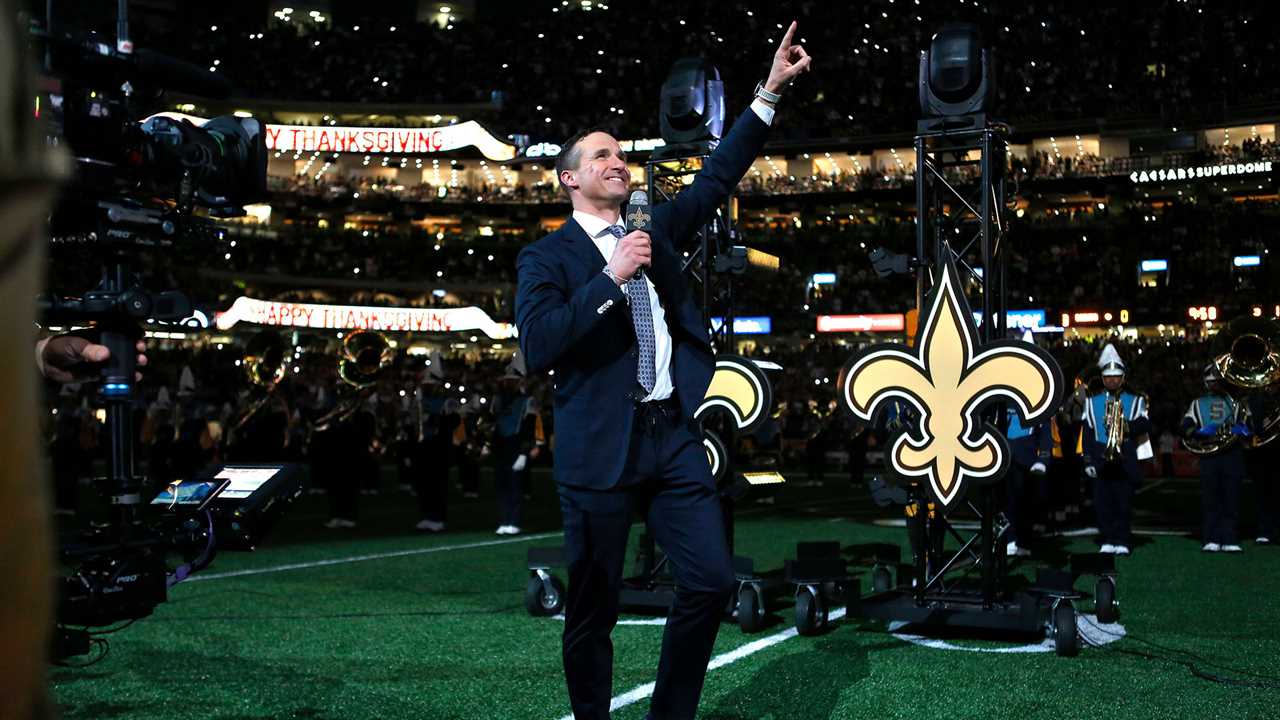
(665, 272)
(580, 246)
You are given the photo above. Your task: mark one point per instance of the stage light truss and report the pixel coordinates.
(960, 205)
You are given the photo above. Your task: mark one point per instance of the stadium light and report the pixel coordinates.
(692, 103)
(955, 81)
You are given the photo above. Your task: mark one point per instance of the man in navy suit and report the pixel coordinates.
(632, 362)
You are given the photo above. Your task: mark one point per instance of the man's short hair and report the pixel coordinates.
(570, 157)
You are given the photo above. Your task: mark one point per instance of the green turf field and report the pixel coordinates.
(402, 625)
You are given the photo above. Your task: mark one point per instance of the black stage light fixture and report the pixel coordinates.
(956, 74)
(692, 105)
(887, 263)
(740, 258)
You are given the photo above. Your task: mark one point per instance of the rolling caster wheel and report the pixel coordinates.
(1066, 640)
(544, 595)
(750, 609)
(1104, 600)
(811, 611)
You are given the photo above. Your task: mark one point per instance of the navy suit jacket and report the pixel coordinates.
(574, 320)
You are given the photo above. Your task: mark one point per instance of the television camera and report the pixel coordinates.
(141, 183)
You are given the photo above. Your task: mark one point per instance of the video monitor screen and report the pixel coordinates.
(230, 483)
(187, 492)
(244, 480)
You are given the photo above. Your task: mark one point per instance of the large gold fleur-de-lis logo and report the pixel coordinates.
(948, 379)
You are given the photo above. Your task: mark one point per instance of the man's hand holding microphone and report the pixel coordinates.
(633, 252)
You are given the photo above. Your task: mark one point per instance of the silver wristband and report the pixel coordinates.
(765, 95)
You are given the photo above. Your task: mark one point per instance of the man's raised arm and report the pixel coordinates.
(726, 166)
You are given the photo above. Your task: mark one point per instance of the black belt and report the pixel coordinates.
(654, 409)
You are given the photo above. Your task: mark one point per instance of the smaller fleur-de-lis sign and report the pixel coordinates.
(948, 378)
(740, 389)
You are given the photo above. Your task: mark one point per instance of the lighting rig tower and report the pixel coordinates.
(961, 157)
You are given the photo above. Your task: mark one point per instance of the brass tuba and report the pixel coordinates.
(263, 361)
(364, 356)
(264, 367)
(1247, 353)
(1114, 422)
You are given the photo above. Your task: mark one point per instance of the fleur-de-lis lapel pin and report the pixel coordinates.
(948, 378)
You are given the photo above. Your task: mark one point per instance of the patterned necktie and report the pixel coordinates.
(642, 319)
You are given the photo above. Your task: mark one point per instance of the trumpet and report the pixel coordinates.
(1116, 426)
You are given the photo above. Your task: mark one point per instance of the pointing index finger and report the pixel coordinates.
(786, 39)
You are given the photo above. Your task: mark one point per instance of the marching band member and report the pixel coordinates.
(1025, 489)
(1215, 414)
(1030, 448)
(435, 450)
(1066, 491)
(1260, 465)
(515, 445)
(1116, 424)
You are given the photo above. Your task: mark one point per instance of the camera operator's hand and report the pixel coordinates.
(632, 253)
(68, 358)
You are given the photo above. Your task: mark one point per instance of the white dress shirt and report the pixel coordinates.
(605, 242)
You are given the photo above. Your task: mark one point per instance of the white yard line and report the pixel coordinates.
(361, 558)
(627, 621)
(641, 692)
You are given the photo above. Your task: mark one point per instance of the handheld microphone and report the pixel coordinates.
(638, 217)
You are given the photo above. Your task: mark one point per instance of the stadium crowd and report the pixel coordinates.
(1095, 252)
(1040, 165)
(1052, 61)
